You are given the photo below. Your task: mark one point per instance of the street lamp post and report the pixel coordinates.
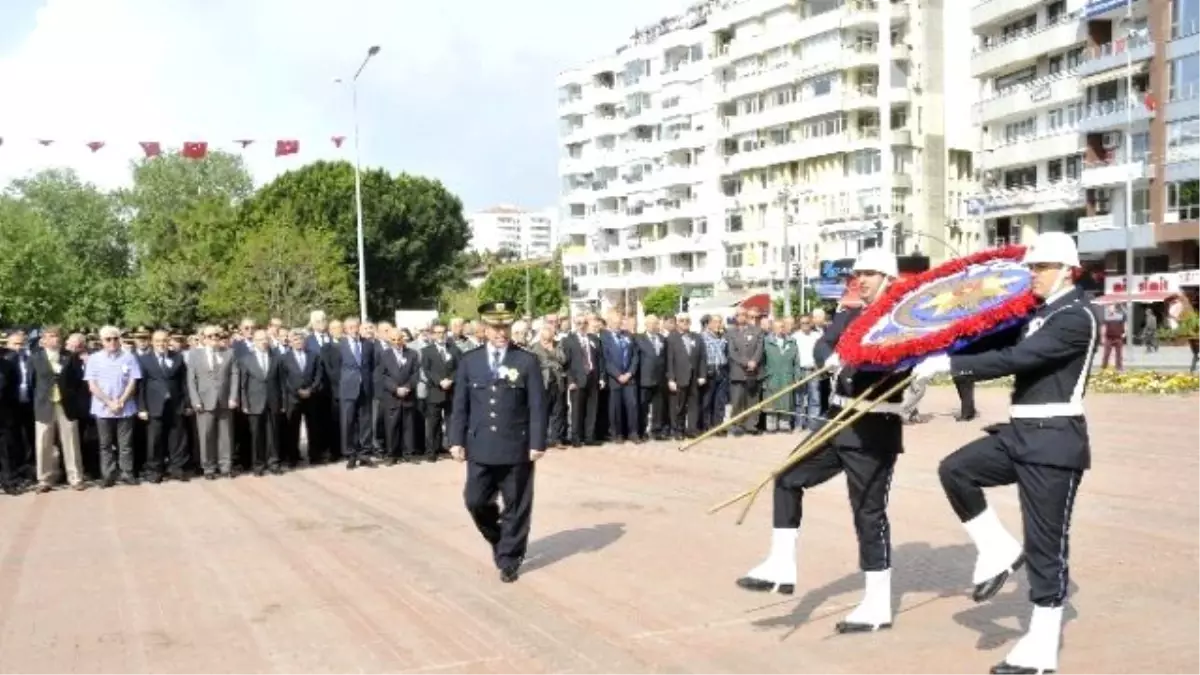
(358, 207)
(785, 197)
(528, 286)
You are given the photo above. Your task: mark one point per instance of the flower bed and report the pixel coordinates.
(1114, 382)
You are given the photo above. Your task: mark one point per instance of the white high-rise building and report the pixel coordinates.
(1026, 59)
(686, 151)
(514, 231)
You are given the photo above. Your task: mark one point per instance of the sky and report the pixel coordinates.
(460, 91)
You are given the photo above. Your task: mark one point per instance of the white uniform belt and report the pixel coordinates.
(883, 408)
(1046, 410)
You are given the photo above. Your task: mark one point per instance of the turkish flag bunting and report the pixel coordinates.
(95, 145)
(244, 142)
(195, 149)
(338, 140)
(286, 148)
(151, 148)
(45, 142)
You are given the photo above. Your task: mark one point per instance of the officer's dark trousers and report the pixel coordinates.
(585, 401)
(507, 532)
(622, 410)
(1047, 495)
(556, 411)
(966, 397)
(868, 479)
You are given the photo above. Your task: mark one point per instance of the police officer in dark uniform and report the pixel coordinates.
(866, 451)
(1044, 449)
(498, 427)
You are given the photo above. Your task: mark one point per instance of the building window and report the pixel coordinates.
(1184, 78)
(1074, 164)
(1021, 178)
(1054, 170)
(1017, 131)
(1007, 82)
(1183, 199)
(1183, 134)
(1055, 11)
(863, 163)
(733, 256)
(733, 222)
(1185, 18)
(1101, 200)
(1074, 58)
(1054, 119)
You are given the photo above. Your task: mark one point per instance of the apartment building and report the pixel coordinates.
(513, 231)
(720, 147)
(1089, 123)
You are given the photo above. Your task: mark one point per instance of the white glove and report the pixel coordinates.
(931, 366)
(833, 361)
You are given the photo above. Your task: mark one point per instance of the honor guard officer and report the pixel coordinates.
(1043, 449)
(498, 427)
(866, 451)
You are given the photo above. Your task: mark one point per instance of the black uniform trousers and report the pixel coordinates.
(868, 479)
(507, 531)
(556, 411)
(966, 396)
(400, 431)
(685, 408)
(1047, 496)
(166, 442)
(652, 411)
(585, 402)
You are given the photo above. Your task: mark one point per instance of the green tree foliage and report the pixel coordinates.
(277, 270)
(35, 267)
(508, 284)
(663, 300)
(811, 302)
(462, 303)
(413, 227)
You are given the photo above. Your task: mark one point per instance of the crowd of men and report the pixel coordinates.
(123, 406)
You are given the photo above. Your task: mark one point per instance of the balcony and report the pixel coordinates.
(786, 152)
(1001, 202)
(608, 126)
(1113, 172)
(1060, 143)
(1112, 114)
(1102, 241)
(575, 255)
(1116, 54)
(1183, 163)
(1026, 47)
(1044, 92)
(989, 12)
(1105, 9)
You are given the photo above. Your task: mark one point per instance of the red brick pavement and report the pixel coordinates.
(380, 571)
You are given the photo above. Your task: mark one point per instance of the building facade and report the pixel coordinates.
(1089, 120)
(515, 232)
(739, 143)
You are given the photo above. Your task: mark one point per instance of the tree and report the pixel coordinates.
(35, 268)
(811, 302)
(461, 303)
(96, 242)
(281, 270)
(413, 227)
(663, 300)
(509, 284)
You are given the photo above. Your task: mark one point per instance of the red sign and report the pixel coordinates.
(1142, 283)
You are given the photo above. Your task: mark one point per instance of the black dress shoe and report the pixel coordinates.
(1006, 668)
(210, 476)
(764, 586)
(351, 464)
(985, 590)
(846, 627)
(367, 462)
(509, 574)
(108, 482)
(961, 417)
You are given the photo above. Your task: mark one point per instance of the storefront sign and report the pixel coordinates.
(1143, 283)
(1188, 278)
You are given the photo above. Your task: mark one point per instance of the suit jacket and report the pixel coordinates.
(437, 368)
(69, 380)
(576, 365)
(684, 366)
(293, 378)
(8, 386)
(390, 375)
(259, 389)
(160, 389)
(211, 389)
(745, 345)
(652, 360)
(14, 359)
(619, 360)
(354, 377)
(498, 419)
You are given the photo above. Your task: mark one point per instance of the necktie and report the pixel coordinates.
(212, 360)
(262, 361)
(495, 364)
(300, 359)
(587, 351)
(357, 351)
(162, 362)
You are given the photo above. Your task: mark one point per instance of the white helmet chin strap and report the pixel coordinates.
(1059, 280)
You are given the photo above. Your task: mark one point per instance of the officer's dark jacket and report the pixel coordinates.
(873, 431)
(498, 419)
(1051, 364)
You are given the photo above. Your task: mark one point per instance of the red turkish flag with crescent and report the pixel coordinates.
(151, 148)
(288, 147)
(195, 149)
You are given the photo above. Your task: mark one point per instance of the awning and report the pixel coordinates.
(1140, 298)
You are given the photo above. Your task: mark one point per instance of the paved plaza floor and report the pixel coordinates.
(327, 570)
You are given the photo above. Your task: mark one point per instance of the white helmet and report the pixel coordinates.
(1055, 248)
(877, 260)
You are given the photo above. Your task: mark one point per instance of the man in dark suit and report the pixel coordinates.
(355, 384)
(396, 378)
(621, 360)
(162, 401)
(8, 403)
(301, 383)
(323, 445)
(57, 377)
(21, 436)
(498, 426)
(652, 380)
(439, 361)
(258, 392)
(585, 363)
(686, 368)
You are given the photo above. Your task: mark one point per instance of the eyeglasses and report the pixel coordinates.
(110, 339)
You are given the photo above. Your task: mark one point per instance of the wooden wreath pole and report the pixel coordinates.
(753, 409)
